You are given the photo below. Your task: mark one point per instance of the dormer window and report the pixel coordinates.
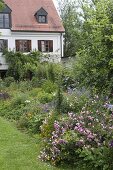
(41, 16)
(5, 18)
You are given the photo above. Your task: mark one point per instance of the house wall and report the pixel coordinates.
(57, 38)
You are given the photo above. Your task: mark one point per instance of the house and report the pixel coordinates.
(27, 25)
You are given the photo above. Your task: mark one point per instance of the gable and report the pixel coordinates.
(41, 11)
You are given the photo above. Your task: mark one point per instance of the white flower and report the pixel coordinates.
(27, 101)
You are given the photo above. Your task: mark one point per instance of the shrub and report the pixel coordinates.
(40, 72)
(49, 86)
(33, 116)
(35, 82)
(22, 66)
(51, 72)
(31, 121)
(70, 101)
(47, 126)
(40, 95)
(19, 99)
(68, 80)
(44, 97)
(25, 86)
(74, 101)
(86, 137)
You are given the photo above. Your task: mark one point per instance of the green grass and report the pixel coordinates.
(18, 151)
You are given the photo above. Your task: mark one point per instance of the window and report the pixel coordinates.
(45, 45)
(3, 44)
(42, 19)
(4, 21)
(41, 16)
(23, 45)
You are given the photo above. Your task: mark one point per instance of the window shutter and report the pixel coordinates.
(50, 45)
(39, 45)
(29, 45)
(17, 45)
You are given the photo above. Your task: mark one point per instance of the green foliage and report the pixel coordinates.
(67, 78)
(58, 99)
(19, 99)
(22, 65)
(73, 102)
(93, 67)
(47, 126)
(27, 105)
(72, 25)
(36, 82)
(49, 86)
(44, 97)
(41, 72)
(1, 84)
(31, 120)
(51, 74)
(41, 95)
(8, 81)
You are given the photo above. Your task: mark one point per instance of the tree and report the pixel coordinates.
(72, 24)
(94, 65)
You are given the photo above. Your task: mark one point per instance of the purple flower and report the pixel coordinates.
(90, 136)
(111, 143)
(80, 143)
(62, 141)
(56, 125)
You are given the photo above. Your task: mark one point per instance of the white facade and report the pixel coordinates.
(57, 38)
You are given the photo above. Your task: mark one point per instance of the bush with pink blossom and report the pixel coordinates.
(85, 137)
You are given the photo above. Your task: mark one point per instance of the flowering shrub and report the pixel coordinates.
(87, 136)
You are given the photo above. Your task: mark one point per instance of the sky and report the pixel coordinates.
(55, 2)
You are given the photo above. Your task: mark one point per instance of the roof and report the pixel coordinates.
(23, 16)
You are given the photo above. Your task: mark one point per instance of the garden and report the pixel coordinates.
(73, 124)
(66, 108)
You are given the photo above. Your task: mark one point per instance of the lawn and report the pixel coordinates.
(18, 151)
